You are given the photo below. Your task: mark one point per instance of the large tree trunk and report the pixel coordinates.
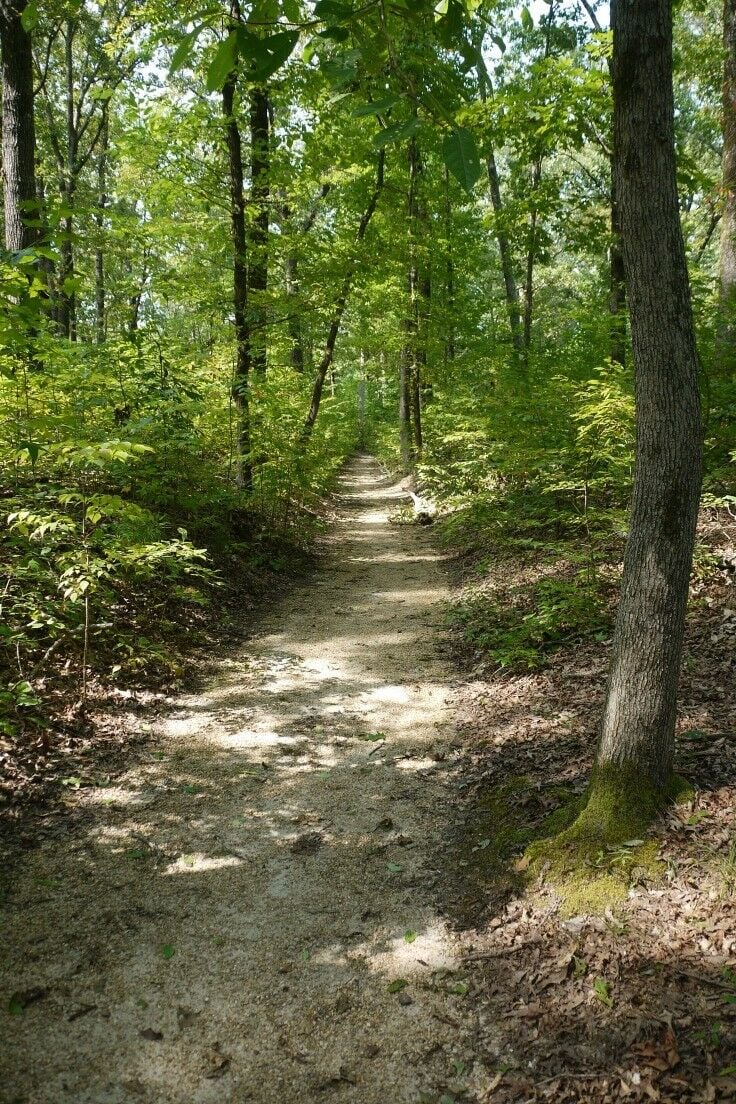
(726, 346)
(325, 363)
(260, 162)
(635, 755)
(617, 276)
(243, 359)
(18, 131)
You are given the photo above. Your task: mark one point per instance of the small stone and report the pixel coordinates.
(405, 999)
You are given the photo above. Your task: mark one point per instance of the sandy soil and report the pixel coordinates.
(249, 915)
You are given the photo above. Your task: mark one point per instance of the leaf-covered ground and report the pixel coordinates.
(636, 1002)
(308, 882)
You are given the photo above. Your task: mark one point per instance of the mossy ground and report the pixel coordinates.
(594, 858)
(591, 847)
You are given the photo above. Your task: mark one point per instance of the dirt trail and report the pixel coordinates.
(225, 923)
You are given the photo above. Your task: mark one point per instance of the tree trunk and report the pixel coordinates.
(243, 360)
(296, 351)
(18, 130)
(325, 363)
(617, 276)
(100, 221)
(293, 287)
(635, 755)
(410, 410)
(726, 343)
(504, 248)
(67, 306)
(531, 254)
(405, 433)
(260, 163)
(449, 277)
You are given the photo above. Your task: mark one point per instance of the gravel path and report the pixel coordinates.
(249, 914)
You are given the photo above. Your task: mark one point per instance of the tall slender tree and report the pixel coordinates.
(243, 349)
(727, 329)
(634, 764)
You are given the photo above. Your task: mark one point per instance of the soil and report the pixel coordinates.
(312, 884)
(250, 913)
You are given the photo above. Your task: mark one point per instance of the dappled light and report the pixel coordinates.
(368, 552)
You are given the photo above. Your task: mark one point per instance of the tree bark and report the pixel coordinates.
(504, 248)
(18, 128)
(410, 410)
(243, 357)
(617, 277)
(293, 286)
(726, 338)
(67, 305)
(635, 754)
(260, 168)
(100, 322)
(449, 277)
(325, 363)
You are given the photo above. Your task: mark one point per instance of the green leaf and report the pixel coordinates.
(332, 9)
(409, 936)
(460, 154)
(168, 951)
(526, 19)
(394, 868)
(31, 448)
(337, 34)
(396, 133)
(183, 51)
(222, 63)
(459, 989)
(602, 991)
(377, 107)
(266, 55)
(15, 1005)
(397, 986)
(29, 16)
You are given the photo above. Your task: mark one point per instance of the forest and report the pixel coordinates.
(368, 551)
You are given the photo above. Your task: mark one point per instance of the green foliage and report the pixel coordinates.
(526, 626)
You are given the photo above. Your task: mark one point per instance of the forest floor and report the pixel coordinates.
(310, 886)
(250, 914)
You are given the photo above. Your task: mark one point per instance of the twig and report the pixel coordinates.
(715, 982)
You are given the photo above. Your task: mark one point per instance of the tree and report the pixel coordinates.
(341, 302)
(18, 129)
(728, 218)
(633, 770)
(243, 348)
